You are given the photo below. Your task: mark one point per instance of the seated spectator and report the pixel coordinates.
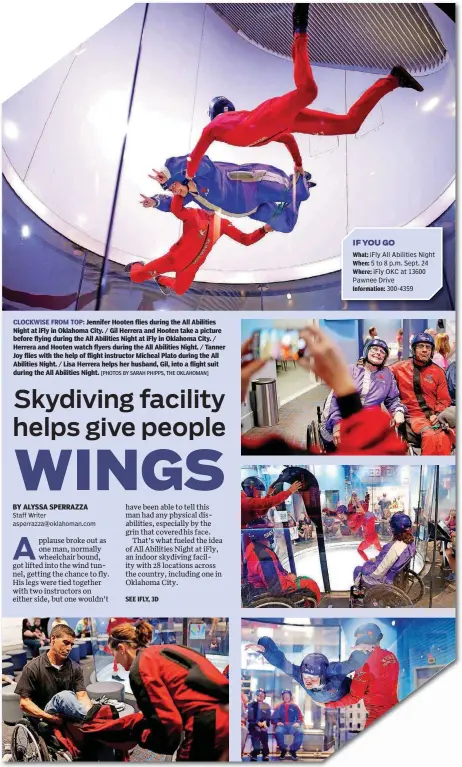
(375, 385)
(83, 628)
(30, 638)
(59, 622)
(40, 634)
(423, 390)
(451, 557)
(451, 521)
(258, 719)
(442, 350)
(287, 720)
(393, 557)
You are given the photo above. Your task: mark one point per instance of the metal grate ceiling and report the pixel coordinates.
(366, 36)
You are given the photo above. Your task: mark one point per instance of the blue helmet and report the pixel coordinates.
(314, 664)
(342, 509)
(250, 483)
(260, 534)
(376, 342)
(260, 689)
(368, 633)
(175, 170)
(400, 522)
(422, 338)
(220, 104)
(286, 691)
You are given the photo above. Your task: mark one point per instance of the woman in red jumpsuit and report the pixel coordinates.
(277, 118)
(179, 691)
(201, 230)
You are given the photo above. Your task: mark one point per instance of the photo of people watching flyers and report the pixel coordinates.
(348, 536)
(337, 386)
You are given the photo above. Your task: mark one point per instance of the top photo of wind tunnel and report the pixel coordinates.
(213, 156)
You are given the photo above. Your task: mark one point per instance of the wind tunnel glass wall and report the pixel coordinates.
(293, 640)
(209, 636)
(383, 491)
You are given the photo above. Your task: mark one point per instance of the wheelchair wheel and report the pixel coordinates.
(386, 596)
(270, 601)
(28, 746)
(412, 585)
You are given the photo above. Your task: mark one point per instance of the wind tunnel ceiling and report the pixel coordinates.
(365, 36)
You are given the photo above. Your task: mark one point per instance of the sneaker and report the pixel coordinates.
(283, 753)
(103, 700)
(451, 577)
(293, 756)
(91, 713)
(163, 288)
(128, 267)
(405, 79)
(300, 18)
(117, 678)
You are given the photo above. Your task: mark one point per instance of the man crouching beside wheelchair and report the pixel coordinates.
(383, 569)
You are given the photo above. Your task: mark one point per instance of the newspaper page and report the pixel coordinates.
(229, 382)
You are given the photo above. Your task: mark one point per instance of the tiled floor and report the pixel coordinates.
(296, 415)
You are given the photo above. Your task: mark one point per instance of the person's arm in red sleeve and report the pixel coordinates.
(359, 685)
(156, 703)
(443, 400)
(292, 146)
(257, 507)
(199, 150)
(178, 210)
(366, 430)
(242, 237)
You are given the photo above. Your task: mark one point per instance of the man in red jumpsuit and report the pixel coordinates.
(277, 118)
(360, 516)
(423, 389)
(264, 571)
(253, 505)
(376, 683)
(179, 690)
(201, 230)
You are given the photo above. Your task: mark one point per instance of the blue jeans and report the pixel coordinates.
(281, 730)
(33, 644)
(65, 704)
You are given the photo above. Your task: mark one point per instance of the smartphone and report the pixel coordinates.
(277, 344)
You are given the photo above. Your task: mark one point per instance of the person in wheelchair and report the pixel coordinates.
(423, 389)
(394, 556)
(264, 571)
(254, 505)
(375, 385)
(52, 686)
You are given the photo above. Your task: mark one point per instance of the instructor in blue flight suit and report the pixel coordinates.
(261, 192)
(322, 681)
